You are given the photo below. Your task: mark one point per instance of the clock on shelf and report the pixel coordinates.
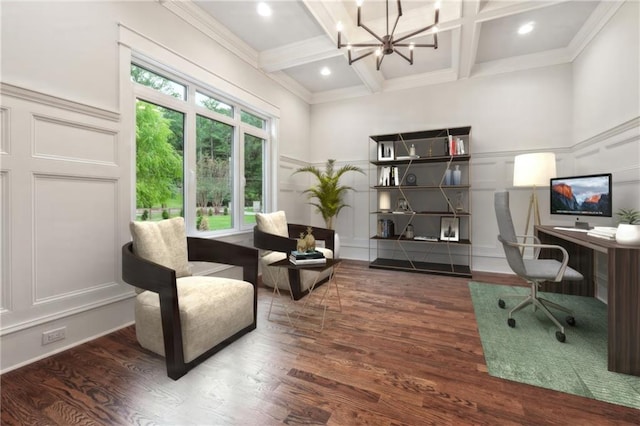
(411, 179)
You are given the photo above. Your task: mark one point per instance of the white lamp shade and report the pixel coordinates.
(384, 200)
(534, 169)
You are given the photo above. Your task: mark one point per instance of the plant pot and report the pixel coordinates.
(628, 234)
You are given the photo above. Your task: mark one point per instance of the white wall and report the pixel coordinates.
(606, 76)
(606, 113)
(66, 143)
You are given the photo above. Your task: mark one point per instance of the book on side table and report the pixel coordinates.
(307, 258)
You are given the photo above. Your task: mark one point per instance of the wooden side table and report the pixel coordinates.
(286, 265)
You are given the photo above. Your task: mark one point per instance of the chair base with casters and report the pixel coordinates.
(544, 305)
(190, 318)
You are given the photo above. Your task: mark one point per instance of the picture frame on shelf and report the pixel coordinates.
(386, 151)
(449, 228)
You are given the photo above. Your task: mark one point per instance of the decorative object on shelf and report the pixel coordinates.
(328, 191)
(411, 179)
(402, 205)
(386, 151)
(412, 150)
(449, 228)
(408, 233)
(388, 43)
(628, 231)
(454, 146)
(457, 176)
(533, 170)
(384, 201)
(447, 176)
(431, 149)
(459, 202)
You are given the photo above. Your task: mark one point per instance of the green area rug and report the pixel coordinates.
(530, 353)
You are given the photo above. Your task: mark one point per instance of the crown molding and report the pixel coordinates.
(199, 19)
(593, 26)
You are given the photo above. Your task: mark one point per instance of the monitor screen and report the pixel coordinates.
(582, 195)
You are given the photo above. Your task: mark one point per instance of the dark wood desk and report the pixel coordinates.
(623, 294)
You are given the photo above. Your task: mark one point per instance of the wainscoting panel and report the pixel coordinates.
(55, 138)
(5, 237)
(74, 240)
(5, 147)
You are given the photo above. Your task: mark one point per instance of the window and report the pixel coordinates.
(198, 155)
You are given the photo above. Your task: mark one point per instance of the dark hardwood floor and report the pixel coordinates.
(404, 351)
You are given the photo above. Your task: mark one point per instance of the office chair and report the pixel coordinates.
(535, 271)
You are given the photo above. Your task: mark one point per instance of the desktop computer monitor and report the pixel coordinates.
(588, 195)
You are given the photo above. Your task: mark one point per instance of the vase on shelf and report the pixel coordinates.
(457, 176)
(447, 176)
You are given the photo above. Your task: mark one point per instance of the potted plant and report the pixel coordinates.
(628, 231)
(327, 191)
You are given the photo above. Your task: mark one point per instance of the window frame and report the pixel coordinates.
(191, 109)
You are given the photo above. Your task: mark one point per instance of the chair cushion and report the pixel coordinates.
(163, 242)
(273, 275)
(273, 223)
(212, 309)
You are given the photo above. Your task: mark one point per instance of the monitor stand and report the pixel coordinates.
(581, 225)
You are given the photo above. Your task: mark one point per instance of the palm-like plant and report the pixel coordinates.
(327, 191)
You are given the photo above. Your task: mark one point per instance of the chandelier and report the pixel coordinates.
(387, 44)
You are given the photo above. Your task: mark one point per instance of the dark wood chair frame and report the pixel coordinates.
(151, 276)
(266, 241)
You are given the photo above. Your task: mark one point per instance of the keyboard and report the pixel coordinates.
(570, 229)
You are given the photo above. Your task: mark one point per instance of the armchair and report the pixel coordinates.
(276, 239)
(535, 271)
(187, 318)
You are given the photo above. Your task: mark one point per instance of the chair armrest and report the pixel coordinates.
(565, 254)
(206, 250)
(325, 234)
(145, 274)
(266, 241)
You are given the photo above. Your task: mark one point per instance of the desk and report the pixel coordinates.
(623, 294)
(285, 264)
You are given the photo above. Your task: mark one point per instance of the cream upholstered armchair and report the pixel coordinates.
(276, 238)
(182, 317)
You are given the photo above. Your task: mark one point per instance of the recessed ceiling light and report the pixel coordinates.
(325, 71)
(526, 28)
(264, 9)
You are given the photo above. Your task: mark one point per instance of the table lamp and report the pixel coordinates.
(532, 170)
(384, 201)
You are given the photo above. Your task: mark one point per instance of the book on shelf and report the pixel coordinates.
(308, 262)
(303, 255)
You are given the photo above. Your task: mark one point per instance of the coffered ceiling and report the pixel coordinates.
(475, 37)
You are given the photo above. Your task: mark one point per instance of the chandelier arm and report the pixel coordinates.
(379, 61)
(415, 33)
(351, 61)
(397, 19)
(364, 45)
(377, 37)
(410, 60)
(415, 45)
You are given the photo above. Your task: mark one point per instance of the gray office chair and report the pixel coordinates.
(535, 271)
